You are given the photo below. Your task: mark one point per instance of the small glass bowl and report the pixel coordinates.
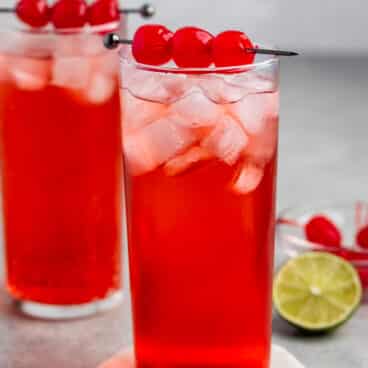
(350, 217)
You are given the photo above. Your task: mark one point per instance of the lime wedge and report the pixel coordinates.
(317, 291)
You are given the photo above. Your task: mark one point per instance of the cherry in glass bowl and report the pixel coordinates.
(349, 217)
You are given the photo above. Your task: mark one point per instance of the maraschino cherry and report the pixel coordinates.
(362, 237)
(103, 11)
(231, 48)
(192, 48)
(69, 14)
(152, 44)
(35, 13)
(322, 230)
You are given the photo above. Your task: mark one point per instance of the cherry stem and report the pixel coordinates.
(146, 10)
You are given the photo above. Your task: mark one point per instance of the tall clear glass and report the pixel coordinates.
(61, 170)
(200, 151)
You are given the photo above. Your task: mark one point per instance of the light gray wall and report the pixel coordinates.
(311, 26)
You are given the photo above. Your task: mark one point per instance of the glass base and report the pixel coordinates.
(61, 312)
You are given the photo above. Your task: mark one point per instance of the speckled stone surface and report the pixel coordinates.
(323, 155)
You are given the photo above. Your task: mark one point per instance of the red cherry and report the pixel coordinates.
(362, 237)
(192, 48)
(103, 11)
(35, 13)
(230, 49)
(323, 231)
(69, 13)
(152, 44)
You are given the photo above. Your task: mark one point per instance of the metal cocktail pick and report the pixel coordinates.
(112, 41)
(146, 10)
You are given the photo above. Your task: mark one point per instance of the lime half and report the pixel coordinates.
(317, 291)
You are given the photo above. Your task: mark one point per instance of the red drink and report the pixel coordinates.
(61, 172)
(200, 175)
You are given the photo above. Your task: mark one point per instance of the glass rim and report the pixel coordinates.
(272, 60)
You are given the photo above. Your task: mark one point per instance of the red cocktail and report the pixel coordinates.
(60, 140)
(200, 148)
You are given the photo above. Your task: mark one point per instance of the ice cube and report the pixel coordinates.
(100, 88)
(254, 111)
(253, 82)
(250, 176)
(91, 44)
(144, 84)
(72, 72)
(164, 88)
(150, 89)
(218, 90)
(108, 64)
(137, 113)
(30, 74)
(67, 45)
(227, 141)
(197, 110)
(150, 147)
(176, 85)
(262, 147)
(183, 162)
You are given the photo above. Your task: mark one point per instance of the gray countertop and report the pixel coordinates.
(323, 155)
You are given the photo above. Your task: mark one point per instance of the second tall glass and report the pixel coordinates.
(61, 171)
(200, 150)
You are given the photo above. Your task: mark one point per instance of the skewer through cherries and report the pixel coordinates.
(191, 47)
(73, 13)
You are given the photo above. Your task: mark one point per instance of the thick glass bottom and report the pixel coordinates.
(61, 312)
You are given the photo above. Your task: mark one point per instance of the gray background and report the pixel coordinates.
(326, 27)
(323, 155)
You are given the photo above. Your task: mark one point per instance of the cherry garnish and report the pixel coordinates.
(192, 48)
(69, 14)
(35, 13)
(362, 237)
(231, 48)
(152, 44)
(103, 11)
(323, 231)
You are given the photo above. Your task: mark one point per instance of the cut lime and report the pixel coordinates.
(317, 291)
